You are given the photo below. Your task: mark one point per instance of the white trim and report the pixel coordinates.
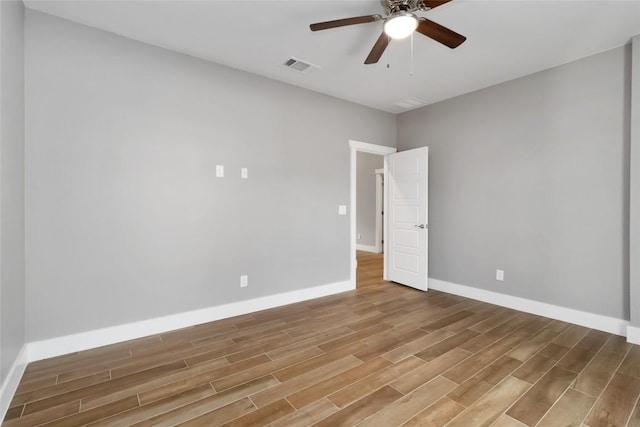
(379, 208)
(365, 147)
(633, 334)
(367, 248)
(634, 184)
(385, 226)
(105, 336)
(10, 383)
(371, 148)
(582, 318)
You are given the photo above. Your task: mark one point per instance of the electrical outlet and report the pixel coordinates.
(500, 275)
(342, 210)
(244, 281)
(219, 171)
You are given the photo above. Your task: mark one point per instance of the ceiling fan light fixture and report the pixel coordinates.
(400, 25)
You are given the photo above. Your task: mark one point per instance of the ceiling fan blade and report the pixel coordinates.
(378, 49)
(439, 33)
(344, 22)
(434, 3)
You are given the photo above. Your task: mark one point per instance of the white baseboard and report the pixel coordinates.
(10, 383)
(91, 339)
(368, 248)
(582, 318)
(633, 334)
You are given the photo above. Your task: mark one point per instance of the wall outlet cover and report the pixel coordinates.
(500, 275)
(219, 171)
(342, 210)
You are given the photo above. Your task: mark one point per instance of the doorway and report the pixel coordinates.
(368, 201)
(369, 177)
(372, 259)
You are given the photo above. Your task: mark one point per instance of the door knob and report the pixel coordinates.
(423, 226)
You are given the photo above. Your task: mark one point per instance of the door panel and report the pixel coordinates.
(407, 262)
(407, 190)
(406, 214)
(408, 218)
(406, 238)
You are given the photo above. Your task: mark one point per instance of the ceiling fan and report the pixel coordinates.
(400, 21)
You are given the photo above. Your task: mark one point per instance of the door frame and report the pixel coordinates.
(379, 209)
(365, 147)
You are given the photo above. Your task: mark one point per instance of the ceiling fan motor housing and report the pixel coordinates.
(393, 6)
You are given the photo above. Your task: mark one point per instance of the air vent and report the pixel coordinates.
(298, 65)
(409, 103)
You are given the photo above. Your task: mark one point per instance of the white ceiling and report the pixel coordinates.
(505, 40)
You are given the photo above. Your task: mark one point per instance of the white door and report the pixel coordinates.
(408, 230)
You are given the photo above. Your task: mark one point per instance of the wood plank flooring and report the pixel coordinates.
(383, 355)
(369, 271)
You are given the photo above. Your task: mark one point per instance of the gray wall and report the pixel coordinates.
(125, 217)
(531, 176)
(12, 254)
(366, 164)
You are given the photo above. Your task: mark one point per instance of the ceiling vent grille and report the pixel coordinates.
(409, 103)
(298, 65)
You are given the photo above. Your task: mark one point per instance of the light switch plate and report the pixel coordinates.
(244, 173)
(219, 171)
(342, 210)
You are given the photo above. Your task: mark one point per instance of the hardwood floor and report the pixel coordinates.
(383, 355)
(369, 271)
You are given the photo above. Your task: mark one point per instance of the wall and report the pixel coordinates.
(366, 164)
(12, 250)
(125, 218)
(531, 176)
